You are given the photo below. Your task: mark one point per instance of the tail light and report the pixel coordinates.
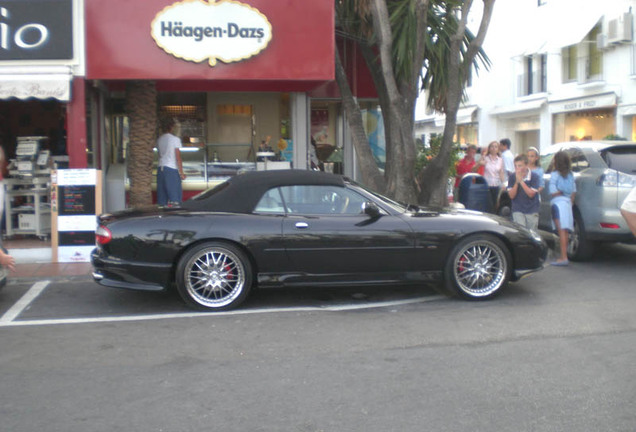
(613, 178)
(610, 225)
(103, 235)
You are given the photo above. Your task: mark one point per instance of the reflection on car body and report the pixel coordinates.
(301, 228)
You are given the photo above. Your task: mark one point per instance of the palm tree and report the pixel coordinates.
(398, 38)
(141, 107)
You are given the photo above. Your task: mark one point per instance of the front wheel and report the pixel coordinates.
(477, 267)
(214, 276)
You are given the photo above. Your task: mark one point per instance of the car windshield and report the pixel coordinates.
(389, 202)
(621, 158)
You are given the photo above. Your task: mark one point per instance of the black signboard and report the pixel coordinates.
(76, 200)
(77, 238)
(36, 29)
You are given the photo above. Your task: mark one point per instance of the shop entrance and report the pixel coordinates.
(524, 140)
(325, 151)
(33, 139)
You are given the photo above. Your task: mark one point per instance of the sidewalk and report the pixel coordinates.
(46, 270)
(33, 260)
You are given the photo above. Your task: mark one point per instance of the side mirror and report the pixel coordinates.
(370, 209)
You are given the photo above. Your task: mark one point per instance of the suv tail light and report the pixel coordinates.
(613, 178)
(103, 235)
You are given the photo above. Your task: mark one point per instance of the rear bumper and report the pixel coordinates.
(135, 276)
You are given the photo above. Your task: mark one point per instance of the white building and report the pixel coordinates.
(562, 70)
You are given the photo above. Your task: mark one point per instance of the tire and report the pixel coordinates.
(505, 206)
(214, 276)
(580, 248)
(478, 267)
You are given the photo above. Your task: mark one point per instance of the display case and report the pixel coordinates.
(204, 169)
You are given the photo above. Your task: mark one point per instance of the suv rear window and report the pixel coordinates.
(622, 158)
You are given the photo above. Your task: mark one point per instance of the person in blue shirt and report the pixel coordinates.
(523, 187)
(562, 189)
(535, 166)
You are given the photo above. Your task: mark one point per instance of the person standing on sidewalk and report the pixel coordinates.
(6, 260)
(464, 166)
(523, 191)
(170, 167)
(507, 156)
(562, 189)
(628, 210)
(494, 172)
(535, 166)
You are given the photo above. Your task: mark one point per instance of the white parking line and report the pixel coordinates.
(23, 303)
(338, 308)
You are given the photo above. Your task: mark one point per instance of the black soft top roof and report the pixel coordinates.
(241, 193)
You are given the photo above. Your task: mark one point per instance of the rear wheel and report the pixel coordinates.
(477, 267)
(214, 276)
(580, 248)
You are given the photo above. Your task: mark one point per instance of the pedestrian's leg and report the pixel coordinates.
(173, 186)
(518, 217)
(563, 240)
(630, 218)
(162, 196)
(532, 221)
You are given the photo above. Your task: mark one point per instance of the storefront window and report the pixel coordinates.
(570, 63)
(583, 125)
(374, 127)
(325, 152)
(466, 134)
(595, 55)
(42, 118)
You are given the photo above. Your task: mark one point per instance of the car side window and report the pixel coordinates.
(578, 159)
(271, 202)
(321, 200)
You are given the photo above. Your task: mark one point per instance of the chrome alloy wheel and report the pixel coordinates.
(480, 268)
(215, 277)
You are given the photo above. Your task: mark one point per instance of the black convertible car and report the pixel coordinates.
(292, 228)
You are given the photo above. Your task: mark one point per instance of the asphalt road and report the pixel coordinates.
(555, 352)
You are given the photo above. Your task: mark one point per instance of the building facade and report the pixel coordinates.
(235, 75)
(564, 72)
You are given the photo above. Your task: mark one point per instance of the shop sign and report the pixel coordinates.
(36, 30)
(601, 101)
(196, 31)
(24, 87)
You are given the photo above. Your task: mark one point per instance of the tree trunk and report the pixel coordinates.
(141, 107)
(433, 179)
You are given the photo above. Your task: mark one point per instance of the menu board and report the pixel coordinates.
(76, 200)
(75, 205)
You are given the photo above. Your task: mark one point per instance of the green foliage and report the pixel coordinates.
(426, 154)
(614, 137)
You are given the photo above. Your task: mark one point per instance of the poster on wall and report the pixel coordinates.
(75, 204)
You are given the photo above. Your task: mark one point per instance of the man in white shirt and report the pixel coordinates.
(170, 167)
(507, 156)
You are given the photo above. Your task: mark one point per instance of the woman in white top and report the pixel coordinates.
(170, 167)
(494, 172)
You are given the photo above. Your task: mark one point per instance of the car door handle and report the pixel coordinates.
(302, 225)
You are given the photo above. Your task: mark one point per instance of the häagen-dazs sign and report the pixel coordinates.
(197, 30)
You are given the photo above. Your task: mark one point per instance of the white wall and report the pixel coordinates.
(521, 25)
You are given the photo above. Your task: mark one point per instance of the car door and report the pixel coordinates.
(327, 234)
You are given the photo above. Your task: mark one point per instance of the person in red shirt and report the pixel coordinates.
(466, 165)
